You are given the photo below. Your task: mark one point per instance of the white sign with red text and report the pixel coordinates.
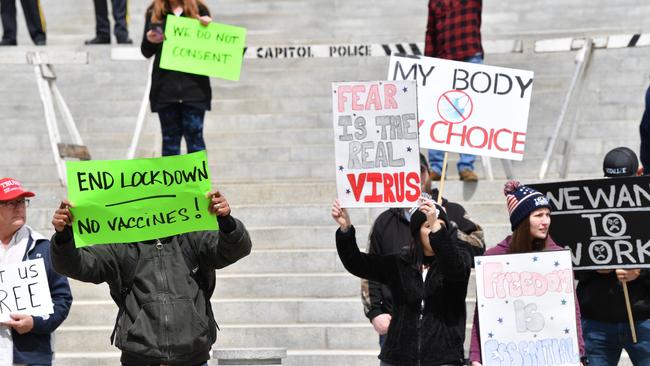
(376, 143)
(468, 108)
(526, 309)
(24, 289)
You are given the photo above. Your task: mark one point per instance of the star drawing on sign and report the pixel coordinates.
(507, 302)
(556, 264)
(347, 191)
(408, 149)
(566, 330)
(341, 167)
(478, 262)
(490, 334)
(405, 89)
(534, 259)
(500, 320)
(563, 302)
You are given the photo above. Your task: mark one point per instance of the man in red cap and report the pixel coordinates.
(26, 339)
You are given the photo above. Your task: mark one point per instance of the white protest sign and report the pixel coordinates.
(526, 309)
(24, 289)
(468, 108)
(376, 143)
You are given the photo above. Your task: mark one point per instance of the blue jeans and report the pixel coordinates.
(177, 121)
(604, 342)
(437, 157)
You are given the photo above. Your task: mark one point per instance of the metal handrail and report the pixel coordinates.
(50, 117)
(141, 116)
(48, 90)
(582, 59)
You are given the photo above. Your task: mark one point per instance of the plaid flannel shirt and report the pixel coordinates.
(454, 29)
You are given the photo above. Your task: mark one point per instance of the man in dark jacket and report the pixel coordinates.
(390, 232)
(605, 325)
(29, 336)
(165, 314)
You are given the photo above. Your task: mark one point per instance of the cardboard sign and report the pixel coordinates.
(604, 221)
(468, 108)
(376, 143)
(123, 201)
(214, 50)
(24, 289)
(526, 309)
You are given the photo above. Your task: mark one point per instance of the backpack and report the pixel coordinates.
(204, 278)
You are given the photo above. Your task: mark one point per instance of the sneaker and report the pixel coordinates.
(468, 175)
(40, 42)
(98, 40)
(124, 41)
(435, 176)
(8, 42)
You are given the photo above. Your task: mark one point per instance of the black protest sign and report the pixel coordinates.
(602, 221)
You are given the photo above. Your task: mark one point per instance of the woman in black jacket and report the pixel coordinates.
(180, 99)
(428, 282)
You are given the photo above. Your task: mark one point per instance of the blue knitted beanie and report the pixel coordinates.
(521, 201)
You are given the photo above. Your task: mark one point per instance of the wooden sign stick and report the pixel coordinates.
(442, 178)
(629, 311)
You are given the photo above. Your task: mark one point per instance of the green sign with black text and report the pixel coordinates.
(213, 50)
(123, 201)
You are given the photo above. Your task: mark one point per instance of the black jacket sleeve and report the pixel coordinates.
(220, 248)
(147, 48)
(370, 266)
(375, 297)
(94, 264)
(455, 261)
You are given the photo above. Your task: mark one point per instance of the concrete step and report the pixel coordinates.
(300, 336)
(247, 311)
(269, 286)
(319, 237)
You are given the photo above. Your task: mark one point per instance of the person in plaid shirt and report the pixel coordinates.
(454, 33)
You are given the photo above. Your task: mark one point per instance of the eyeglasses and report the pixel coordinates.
(17, 203)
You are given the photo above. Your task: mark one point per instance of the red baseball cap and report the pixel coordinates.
(11, 189)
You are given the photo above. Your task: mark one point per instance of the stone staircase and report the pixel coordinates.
(270, 145)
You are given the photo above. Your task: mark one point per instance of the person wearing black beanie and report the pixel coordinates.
(428, 283)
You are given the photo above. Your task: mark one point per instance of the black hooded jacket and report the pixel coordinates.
(390, 233)
(428, 317)
(601, 296)
(167, 317)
